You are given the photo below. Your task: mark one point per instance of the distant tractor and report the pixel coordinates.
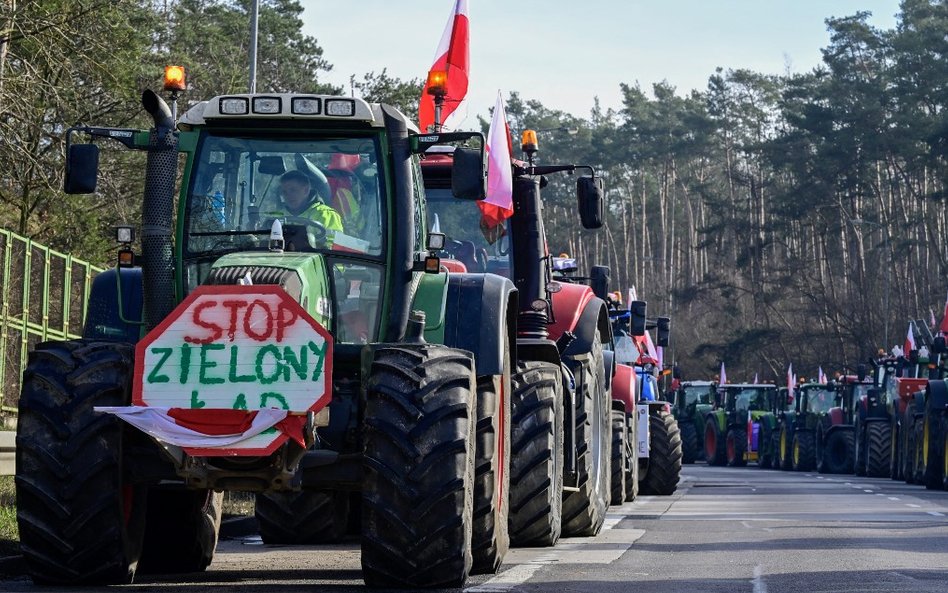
(799, 430)
(766, 441)
(691, 402)
(303, 358)
(737, 407)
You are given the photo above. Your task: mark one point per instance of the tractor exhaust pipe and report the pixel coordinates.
(157, 212)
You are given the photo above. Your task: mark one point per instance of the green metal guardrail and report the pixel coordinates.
(43, 295)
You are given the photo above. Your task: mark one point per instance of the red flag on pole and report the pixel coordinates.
(452, 58)
(498, 205)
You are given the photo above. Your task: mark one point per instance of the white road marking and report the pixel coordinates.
(869, 491)
(759, 585)
(936, 514)
(894, 498)
(914, 506)
(506, 580)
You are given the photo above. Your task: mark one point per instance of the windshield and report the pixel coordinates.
(326, 192)
(753, 398)
(819, 399)
(478, 249)
(697, 393)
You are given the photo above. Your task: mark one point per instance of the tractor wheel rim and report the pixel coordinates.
(796, 452)
(783, 444)
(925, 443)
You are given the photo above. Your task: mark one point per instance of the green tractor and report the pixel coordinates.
(797, 429)
(691, 402)
(335, 372)
(737, 410)
(765, 424)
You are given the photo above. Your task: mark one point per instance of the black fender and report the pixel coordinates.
(476, 310)
(609, 361)
(594, 315)
(115, 307)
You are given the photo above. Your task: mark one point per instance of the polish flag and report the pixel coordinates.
(723, 375)
(944, 320)
(206, 428)
(909, 340)
(498, 205)
(453, 58)
(756, 381)
(790, 380)
(821, 376)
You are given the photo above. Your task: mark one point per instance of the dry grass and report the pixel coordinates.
(238, 504)
(9, 534)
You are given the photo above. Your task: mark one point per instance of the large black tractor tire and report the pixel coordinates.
(584, 511)
(944, 454)
(664, 456)
(919, 452)
(302, 518)
(878, 442)
(715, 452)
(804, 451)
(895, 452)
(836, 452)
(536, 454)
(79, 521)
(907, 454)
(632, 470)
(933, 474)
(181, 530)
(620, 456)
(859, 445)
(490, 538)
(735, 444)
(418, 467)
(689, 441)
(784, 450)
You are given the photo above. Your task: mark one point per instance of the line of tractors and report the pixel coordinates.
(438, 390)
(888, 419)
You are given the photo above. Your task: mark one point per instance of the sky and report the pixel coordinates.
(565, 53)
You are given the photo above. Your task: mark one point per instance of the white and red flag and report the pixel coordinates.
(944, 319)
(723, 375)
(790, 380)
(498, 205)
(453, 58)
(821, 376)
(909, 339)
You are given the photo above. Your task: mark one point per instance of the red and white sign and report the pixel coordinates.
(226, 352)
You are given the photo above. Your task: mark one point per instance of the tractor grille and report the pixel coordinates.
(288, 279)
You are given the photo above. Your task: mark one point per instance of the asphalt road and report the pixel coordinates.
(725, 530)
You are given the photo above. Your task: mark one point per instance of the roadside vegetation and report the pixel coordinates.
(9, 536)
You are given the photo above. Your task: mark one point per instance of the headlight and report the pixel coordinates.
(340, 107)
(234, 106)
(305, 106)
(266, 105)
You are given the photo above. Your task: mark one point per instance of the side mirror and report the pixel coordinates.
(589, 193)
(272, 165)
(637, 309)
(82, 169)
(468, 174)
(599, 280)
(664, 329)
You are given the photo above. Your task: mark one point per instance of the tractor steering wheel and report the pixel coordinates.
(320, 232)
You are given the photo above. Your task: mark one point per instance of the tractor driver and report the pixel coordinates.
(299, 200)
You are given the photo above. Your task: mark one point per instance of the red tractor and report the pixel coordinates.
(561, 410)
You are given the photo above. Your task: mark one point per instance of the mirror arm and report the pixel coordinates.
(124, 135)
